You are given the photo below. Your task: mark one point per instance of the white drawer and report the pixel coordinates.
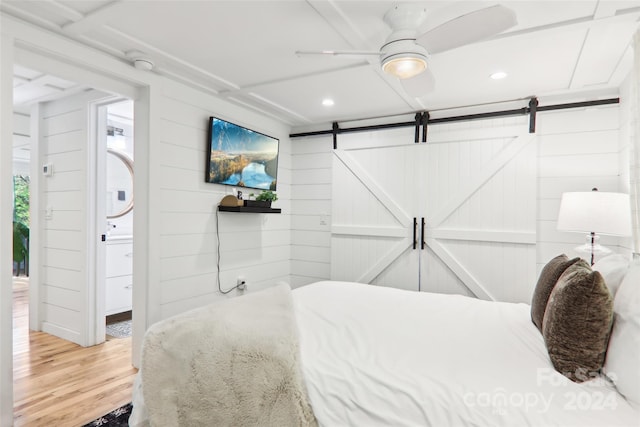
(118, 295)
(119, 259)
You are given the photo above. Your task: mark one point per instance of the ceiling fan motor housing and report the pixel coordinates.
(403, 58)
(401, 55)
(405, 16)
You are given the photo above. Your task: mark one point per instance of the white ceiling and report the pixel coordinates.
(245, 51)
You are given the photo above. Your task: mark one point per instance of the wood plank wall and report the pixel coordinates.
(311, 188)
(577, 150)
(64, 135)
(630, 147)
(251, 245)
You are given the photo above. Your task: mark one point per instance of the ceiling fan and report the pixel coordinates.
(405, 53)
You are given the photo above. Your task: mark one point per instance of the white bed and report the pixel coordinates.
(374, 356)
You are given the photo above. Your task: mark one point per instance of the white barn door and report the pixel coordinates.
(374, 203)
(475, 191)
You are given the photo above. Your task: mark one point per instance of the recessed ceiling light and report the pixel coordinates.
(327, 102)
(498, 75)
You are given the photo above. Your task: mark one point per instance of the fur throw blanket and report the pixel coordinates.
(232, 363)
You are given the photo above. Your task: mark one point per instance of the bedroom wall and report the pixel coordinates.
(174, 223)
(63, 144)
(630, 150)
(577, 149)
(255, 246)
(311, 160)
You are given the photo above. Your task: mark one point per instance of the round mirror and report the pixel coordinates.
(119, 184)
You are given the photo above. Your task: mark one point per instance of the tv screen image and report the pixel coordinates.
(241, 157)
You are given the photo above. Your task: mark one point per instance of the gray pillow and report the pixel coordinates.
(577, 323)
(547, 280)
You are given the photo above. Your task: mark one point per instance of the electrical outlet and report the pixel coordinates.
(241, 283)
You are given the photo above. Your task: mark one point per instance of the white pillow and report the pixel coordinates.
(622, 364)
(613, 269)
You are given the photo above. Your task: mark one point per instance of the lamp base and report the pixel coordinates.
(592, 248)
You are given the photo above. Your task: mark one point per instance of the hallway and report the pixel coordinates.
(58, 383)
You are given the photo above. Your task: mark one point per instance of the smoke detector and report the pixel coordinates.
(143, 64)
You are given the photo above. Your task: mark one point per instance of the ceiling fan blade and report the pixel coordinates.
(345, 53)
(419, 85)
(468, 28)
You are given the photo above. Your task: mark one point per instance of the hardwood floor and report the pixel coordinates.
(58, 383)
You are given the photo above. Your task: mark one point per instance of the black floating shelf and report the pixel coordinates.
(248, 209)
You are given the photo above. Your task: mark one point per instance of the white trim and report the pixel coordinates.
(438, 136)
(144, 249)
(6, 231)
(385, 261)
(357, 230)
(96, 250)
(64, 333)
(95, 69)
(32, 38)
(35, 217)
(31, 57)
(363, 176)
(463, 274)
(499, 236)
(94, 19)
(473, 184)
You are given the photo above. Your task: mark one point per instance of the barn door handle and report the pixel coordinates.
(415, 233)
(422, 242)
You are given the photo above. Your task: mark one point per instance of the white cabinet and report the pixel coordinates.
(119, 278)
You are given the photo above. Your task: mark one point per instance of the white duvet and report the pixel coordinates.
(374, 356)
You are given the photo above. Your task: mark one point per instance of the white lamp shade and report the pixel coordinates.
(595, 211)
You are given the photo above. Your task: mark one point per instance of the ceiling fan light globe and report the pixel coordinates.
(404, 67)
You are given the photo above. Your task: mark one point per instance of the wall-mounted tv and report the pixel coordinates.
(241, 157)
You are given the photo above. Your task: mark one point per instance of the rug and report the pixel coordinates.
(116, 418)
(119, 329)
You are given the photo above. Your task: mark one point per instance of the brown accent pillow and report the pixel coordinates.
(549, 275)
(577, 323)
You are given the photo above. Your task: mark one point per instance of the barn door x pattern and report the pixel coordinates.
(464, 203)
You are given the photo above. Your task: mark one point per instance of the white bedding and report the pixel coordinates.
(374, 356)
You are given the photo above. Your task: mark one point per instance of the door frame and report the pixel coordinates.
(41, 49)
(96, 209)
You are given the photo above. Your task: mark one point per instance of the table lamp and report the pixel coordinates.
(595, 212)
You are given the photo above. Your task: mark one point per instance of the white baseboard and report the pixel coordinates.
(61, 332)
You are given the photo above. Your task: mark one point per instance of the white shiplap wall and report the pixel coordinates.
(578, 149)
(63, 143)
(255, 246)
(311, 159)
(630, 144)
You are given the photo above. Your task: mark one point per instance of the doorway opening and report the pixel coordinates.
(119, 209)
(52, 157)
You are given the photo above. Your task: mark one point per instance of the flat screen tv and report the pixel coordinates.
(241, 157)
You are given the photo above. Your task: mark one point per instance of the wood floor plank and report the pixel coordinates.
(58, 383)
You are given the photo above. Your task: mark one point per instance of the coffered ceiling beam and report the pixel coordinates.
(95, 18)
